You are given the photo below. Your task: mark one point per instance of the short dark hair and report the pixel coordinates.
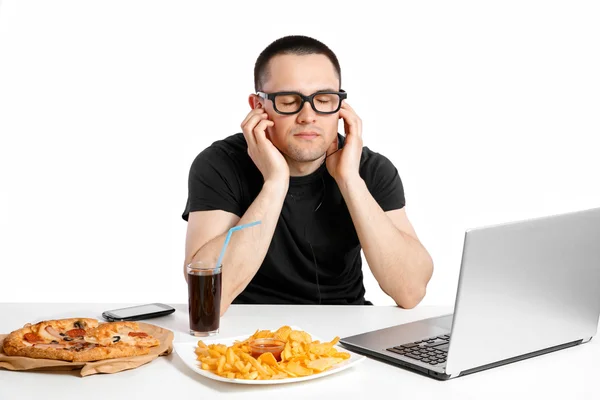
(298, 45)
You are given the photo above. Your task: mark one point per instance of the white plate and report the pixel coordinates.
(185, 351)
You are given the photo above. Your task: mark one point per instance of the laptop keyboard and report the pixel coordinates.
(431, 351)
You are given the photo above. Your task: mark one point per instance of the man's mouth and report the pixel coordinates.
(307, 135)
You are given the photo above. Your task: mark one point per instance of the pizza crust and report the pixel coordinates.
(91, 354)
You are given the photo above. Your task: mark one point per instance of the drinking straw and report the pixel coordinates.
(235, 228)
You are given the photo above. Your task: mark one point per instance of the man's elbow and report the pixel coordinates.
(224, 308)
(416, 293)
(227, 298)
(226, 301)
(412, 298)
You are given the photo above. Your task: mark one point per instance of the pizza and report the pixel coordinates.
(79, 339)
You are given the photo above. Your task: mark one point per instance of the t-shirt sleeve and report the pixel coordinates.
(384, 183)
(213, 184)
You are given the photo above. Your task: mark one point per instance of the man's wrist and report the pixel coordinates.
(277, 186)
(350, 182)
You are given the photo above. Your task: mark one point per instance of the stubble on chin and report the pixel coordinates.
(300, 154)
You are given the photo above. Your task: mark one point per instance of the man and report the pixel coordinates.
(320, 196)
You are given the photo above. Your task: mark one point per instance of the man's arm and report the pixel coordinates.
(247, 247)
(398, 260)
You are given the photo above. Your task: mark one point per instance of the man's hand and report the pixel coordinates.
(261, 150)
(343, 165)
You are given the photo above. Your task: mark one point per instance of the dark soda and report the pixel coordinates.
(204, 300)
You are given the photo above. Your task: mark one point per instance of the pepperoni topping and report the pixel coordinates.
(138, 334)
(75, 333)
(33, 338)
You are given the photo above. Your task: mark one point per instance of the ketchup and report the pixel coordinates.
(272, 346)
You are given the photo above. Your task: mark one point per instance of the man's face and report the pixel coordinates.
(305, 136)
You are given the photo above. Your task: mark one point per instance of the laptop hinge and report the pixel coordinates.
(518, 358)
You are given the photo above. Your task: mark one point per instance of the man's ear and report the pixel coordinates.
(254, 101)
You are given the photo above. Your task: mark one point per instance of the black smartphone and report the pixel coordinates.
(137, 313)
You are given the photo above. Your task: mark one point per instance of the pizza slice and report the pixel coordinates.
(79, 339)
(120, 333)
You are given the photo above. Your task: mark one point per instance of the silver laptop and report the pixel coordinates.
(525, 288)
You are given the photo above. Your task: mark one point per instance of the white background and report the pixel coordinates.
(489, 110)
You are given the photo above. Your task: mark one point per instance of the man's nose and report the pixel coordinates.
(306, 115)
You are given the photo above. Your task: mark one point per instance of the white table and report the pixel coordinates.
(568, 374)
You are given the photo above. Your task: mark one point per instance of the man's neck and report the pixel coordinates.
(304, 168)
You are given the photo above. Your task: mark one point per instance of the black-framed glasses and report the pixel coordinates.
(323, 102)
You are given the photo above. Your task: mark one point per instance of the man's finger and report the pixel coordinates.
(353, 122)
(347, 106)
(249, 138)
(251, 114)
(356, 119)
(253, 121)
(259, 130)
(248, 128)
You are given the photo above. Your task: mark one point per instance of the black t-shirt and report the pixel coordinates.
(314, 256)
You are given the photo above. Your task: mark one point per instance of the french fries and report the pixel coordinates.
(301, 356)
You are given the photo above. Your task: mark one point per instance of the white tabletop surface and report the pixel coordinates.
(567, 374)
